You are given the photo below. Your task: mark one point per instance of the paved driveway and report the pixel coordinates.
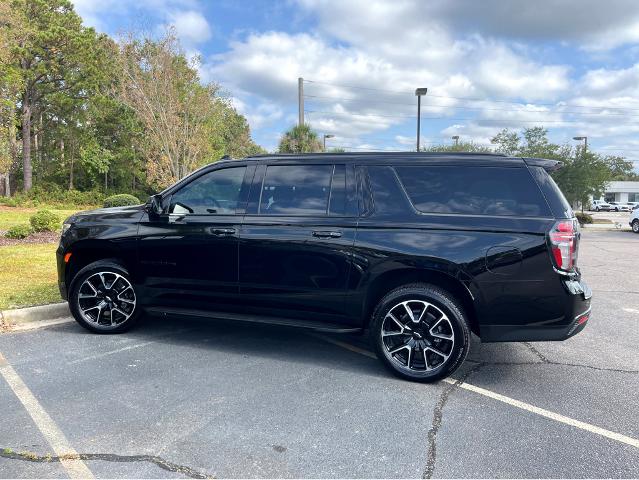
(196, 399)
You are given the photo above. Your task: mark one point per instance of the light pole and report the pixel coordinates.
(419, 93)
(585, 139)
(327, 135)
(456, 139)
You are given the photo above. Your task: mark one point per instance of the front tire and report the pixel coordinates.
(102, 298)
(420, 332)
(596, 209)
(635, 226)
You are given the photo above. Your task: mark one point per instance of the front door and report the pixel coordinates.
(296, 242)
(189, 255)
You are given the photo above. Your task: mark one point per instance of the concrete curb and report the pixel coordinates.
(34, 314)
(606, 226)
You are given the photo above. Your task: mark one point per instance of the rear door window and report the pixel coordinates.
(296, 190)
(499, 191)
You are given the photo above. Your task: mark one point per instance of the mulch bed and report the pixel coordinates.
(40, 237)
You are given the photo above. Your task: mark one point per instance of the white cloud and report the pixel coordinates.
(190, 26)
(531, 53)
(267, 65)
(589, 24)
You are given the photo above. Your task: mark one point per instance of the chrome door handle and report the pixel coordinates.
(326, 234)
(222, 231)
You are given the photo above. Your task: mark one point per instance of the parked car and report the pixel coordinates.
(633, 205)
(619, 207)
(598, 205)
(634, 220)
(417, 249)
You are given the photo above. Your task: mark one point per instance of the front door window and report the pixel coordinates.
(214, 193)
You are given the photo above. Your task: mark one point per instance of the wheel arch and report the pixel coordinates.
(389, 280)
(85, 252)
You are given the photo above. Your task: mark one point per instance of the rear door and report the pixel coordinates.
(296, 241)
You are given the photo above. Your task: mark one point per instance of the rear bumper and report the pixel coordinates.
(578, 298)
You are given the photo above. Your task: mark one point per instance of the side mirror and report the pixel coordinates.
(154, 205)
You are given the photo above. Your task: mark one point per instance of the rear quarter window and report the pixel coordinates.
(496, 191)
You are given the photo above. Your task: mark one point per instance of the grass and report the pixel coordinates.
(10, 216)
(28, 271)
(28, 275)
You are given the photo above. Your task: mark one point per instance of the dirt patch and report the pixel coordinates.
(39, 237)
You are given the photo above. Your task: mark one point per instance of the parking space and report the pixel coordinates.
(196, 399)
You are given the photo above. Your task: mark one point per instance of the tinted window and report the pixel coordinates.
(473, 190)
(337, 205)
(554, 196)
(215, 192)
(296, 190)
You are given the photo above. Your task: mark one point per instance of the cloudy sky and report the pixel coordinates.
(572, 67)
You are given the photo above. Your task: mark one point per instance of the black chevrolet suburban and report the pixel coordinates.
(417, 249)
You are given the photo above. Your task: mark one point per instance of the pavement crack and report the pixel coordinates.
(438, 414)
(107, 457)
(550, 362)
(536, 352)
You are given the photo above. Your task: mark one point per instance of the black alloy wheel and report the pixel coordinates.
(103, 299)
(420, 332)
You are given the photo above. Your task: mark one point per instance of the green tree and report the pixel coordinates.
(300, 139)
(620, 168)
(11, 27)
(53, 53)
(460, 147)
(506, 142)
(96, 161)
(237, 134)
(583, 175)
(184, 123)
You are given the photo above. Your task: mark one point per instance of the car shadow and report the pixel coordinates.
(251, 341)
(301, 346)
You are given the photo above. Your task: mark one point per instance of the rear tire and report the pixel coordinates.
(635, 226)
(102, 298)
(420, 332)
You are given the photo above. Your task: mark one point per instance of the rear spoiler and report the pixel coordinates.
(548, 165)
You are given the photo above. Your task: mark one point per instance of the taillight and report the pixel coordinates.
(564, 239)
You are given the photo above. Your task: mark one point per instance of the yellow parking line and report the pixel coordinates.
(633, 442)
(69, 458)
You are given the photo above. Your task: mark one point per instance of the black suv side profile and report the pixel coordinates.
(417, 249)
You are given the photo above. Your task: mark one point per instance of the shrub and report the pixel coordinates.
(54, 197)
(121, 200)
(19, 231)
(583, 218)
(44, 221)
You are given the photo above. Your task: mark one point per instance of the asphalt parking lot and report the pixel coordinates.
(199, 399)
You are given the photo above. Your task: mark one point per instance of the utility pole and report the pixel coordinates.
(419, 93)
(300, 100)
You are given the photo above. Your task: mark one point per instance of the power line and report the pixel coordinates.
(474, 99)
(505, 120)
(323, 97)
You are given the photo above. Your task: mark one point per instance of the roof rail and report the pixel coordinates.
(372, 152)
